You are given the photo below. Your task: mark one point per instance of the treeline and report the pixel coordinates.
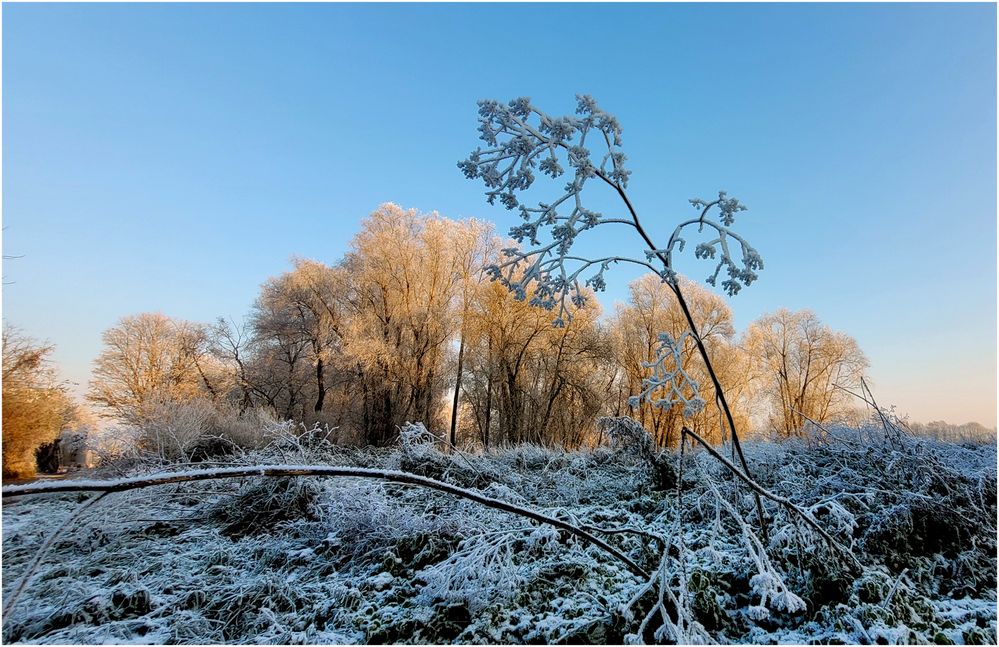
(970, 432)
(408, 319)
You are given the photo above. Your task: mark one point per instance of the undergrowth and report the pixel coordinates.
(309, 560)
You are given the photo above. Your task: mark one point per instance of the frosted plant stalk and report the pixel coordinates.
(521, 139)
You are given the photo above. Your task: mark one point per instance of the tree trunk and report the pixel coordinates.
(320, 385)
(489, 403)
(457, 392)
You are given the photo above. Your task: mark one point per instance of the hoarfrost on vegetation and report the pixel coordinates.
(299, 560)
(669, 383)
(521, 139)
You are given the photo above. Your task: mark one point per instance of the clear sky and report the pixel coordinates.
(172, 157)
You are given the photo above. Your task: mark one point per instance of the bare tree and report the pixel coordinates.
(148, 357)
(298, 326)
(797, 360)
(281, 350)
(230, 345)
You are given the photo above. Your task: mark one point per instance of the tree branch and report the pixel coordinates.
(786, 503)
(139, 482)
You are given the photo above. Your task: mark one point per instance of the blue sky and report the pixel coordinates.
(172, 157)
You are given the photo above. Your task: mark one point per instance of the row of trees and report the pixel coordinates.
(407, 327)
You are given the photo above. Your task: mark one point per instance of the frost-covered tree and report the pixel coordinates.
(367, 343)
(230, 345)
(282, 348)
(298, 324)
(148, 357)
(800, 362)
(522, 141)
(404, 285)
(972, 432)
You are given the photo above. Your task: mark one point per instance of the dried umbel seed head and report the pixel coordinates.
(521, 139)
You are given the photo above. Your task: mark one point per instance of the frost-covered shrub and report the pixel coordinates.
(484, 569)
(417, 442)
(250, 428)
(263, 506)
(194, 429)
(367, 520)
(171, 429)
(114, 445)
(295, 442)
(629, 440)
(420, 454)
(627, 436)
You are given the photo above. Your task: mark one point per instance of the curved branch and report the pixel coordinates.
(139, 482)
(587, 263)
(782, 501)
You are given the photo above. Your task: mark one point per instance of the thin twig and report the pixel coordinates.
(894, 588)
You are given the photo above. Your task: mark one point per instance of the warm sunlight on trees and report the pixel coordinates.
(410, 280)
(401, 291)
(528, 380)
(313, 291)
(296, 328)
(798, 361)
(653, 308)
(409, 327)
(474, 244)
(148, 357)
(35, 405)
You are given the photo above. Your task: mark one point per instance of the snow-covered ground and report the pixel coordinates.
(346, 560)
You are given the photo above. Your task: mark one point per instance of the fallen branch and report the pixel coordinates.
(786, 503)
(138, 482)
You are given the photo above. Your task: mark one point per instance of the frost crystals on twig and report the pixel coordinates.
(668, 376)
(751, 260)
(521, 139)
